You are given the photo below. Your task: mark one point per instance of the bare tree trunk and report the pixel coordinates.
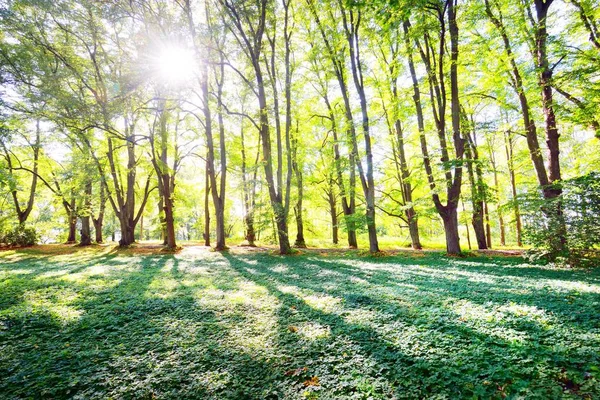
(453, 179)
(488, 228)
(466, 226)
(513, 185)
(206, 210)
(347, 194)
(99, 221)
(497, 190)
(248, 193)
(551, 191)
(450, 219)
(477, 219)
(333, 214)
(71, 209)
(86, 233)
(351, 24)
(300, 242)
(253, 39)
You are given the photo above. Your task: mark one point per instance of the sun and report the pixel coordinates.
(174, 65)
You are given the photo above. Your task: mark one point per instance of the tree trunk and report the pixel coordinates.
(300, 242)
(86, 233)
(513, 185)
(206, 210)
(72, 238)
(488, 228)
(497, 190)
(477, 219)
(249, 192)
(413, 228)
(552, 135)
(99, 221)
(127, 231)
(448, 212)
(98, 229)
(351, 27)
(347, 194)
(170, 225)
(161, 216)
(333, 214)
(466, 226)
(450, 219)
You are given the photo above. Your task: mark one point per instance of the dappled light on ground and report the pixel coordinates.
(198, 324)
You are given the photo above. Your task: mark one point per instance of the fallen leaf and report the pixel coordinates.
(314, 381)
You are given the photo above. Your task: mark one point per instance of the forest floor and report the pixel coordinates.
(98, 323)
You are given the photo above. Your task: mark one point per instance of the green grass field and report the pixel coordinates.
(100, 324)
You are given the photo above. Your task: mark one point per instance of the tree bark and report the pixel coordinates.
(448, 212)
(351, 23)
(552, 190)
(248, 192)
(299, 242)
(450, 219)
(86, 233)
(477, 195)
(99, 221)
(333, 213)
(497, 190)
(206, 209)
(71, 209)
(513, 185)
(252, 38)
(347, 194)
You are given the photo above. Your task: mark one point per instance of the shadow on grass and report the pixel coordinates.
(267, 327)
(432, 333)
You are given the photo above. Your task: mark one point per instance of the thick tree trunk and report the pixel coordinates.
(450, 219)
(170, 225)
(72, 220)
(72, 238)
(299, 242)
(282, 233)
(552, 136)
(98, 229)
(413, 228)
(217, 189)
(127, 232)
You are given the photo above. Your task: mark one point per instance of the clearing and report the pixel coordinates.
(98, 323)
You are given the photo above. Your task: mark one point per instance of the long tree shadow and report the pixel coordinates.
(134, 338)
(456, 359)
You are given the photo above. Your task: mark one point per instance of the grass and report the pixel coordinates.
(98, 324)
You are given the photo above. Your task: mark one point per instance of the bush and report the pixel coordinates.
(20, 235)
(580, 221)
